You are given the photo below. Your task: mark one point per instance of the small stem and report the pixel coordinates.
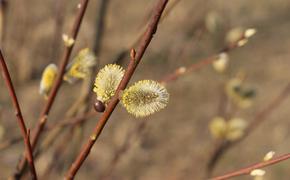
(247, 170)
(21, 123)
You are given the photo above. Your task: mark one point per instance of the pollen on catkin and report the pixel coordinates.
(81, 66)
(144, 98)
(107, 81)
(48, 77)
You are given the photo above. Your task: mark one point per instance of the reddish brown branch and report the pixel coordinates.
(182, 70)
(247, 170)
(148, 35)
(201, 63)
(21, 123)
(63, 63)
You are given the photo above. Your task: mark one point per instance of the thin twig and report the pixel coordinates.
(247, 170)
(82, 6)
(135, 59)
(21, 123)
(201, 63)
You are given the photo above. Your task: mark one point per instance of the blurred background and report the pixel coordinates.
(175, 143)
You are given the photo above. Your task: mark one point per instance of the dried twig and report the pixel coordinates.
(247, 170)
(21, 123)
(135, 59)
(82, 6)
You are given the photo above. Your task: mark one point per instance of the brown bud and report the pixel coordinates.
(99, 106)
(132, 53)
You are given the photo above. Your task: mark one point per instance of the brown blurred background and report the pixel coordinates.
(175, 143)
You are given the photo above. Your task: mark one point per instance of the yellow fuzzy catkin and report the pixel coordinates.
(107, 81)
(81, 66)
(48, 77)
(218, 127)
(269, 156)
(242, 96)
(144, 98)
(257, 172)
(221, 63)
(235, 129)
(230, 130)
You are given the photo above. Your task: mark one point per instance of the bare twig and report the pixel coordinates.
(247, 170)
(201, 63)
(82, 6)
(21, 123)
(135, 59)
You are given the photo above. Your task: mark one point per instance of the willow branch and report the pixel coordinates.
(135, 59)
(247, 170)
(63, 63)
(21, 123)
(200, 64)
